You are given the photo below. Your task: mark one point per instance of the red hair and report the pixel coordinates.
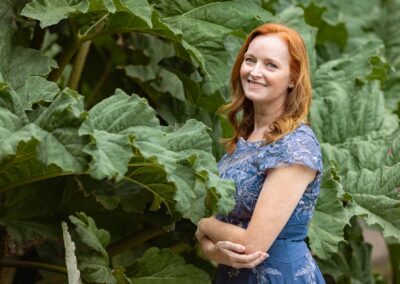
(297, 102)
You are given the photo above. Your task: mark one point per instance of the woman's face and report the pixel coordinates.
(265, 70)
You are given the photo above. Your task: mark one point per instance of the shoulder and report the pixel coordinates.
(302, 146)
(297, 147)
(302, 136)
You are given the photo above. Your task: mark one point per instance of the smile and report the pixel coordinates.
(256, 83)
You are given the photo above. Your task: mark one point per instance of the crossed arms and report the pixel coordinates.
(232, 245)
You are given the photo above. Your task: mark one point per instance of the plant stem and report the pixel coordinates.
(63, 60)
(80, 60)
(134, 241)
(33, 265)
(38, 37)
(16, 160)
(38, 178)
(95, 24)
(69, 52)
(394, 253)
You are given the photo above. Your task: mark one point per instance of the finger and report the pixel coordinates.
(231, 246)
(240, 258)
(246, 258)
(253, 263)
(199, 235)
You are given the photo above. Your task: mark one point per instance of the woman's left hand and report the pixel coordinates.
(231, 254)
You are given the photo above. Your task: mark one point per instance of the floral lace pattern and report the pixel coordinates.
(308, 270)
(248, 167)
(262, 274)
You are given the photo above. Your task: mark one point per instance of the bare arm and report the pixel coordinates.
(231, 254)
(279, 196)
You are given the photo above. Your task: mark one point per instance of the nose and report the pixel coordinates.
(255, 70)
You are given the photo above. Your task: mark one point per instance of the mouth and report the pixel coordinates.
(254, 83)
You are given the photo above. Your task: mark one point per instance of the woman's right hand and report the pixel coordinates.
(231, 254)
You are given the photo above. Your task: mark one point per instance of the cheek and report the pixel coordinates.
(243, 71)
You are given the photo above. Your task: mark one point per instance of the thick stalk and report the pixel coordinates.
(134, 241)
(64, 60)
(394, 253)
(79, 63)
(33, 265)
(67, 55)
(38, 178)
(6, 273)
(38, 37)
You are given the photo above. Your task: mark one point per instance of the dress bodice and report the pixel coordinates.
(247, 166)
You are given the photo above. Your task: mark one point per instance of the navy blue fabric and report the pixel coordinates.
(290, 260)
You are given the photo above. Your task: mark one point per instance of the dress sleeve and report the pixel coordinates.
(299, 147)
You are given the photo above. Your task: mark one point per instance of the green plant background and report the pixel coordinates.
(108, 123)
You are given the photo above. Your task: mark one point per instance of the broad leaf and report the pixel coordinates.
(358, 136)
(50, 12)
(47, 147)
(326, 228)
(36, 90)
(163, 267)
(176, 166)
(352, 262)
(95, 267)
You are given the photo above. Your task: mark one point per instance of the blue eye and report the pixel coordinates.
(270, 64)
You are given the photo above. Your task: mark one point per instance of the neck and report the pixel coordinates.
(265, 116)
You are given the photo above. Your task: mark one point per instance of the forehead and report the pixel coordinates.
(269, 46)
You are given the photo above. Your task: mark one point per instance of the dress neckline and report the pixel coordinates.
(260, 142)
(250, 142)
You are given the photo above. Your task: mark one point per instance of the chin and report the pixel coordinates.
(255, 97)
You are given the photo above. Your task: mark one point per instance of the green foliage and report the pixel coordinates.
(142, 166)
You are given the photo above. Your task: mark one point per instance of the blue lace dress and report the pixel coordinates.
(290, 260)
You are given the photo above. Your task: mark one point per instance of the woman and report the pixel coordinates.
(275, 160)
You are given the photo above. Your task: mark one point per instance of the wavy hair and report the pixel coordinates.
(297, 103)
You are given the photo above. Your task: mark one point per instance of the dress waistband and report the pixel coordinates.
(287, 250)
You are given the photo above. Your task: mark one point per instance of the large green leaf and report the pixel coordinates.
(50, 12)
(36, 90)
(163, 267)
(326, 228)
(358, 136)
(205, 28)
(179, 7)
(364, 152)
(18, 63)
(25, 62)
(29, 212)
(338, 93)
(141, 8)
(95, 264)
(329, 30)
(175, 165)
(374, 197)
(388, 28)
(47, 147)
(352, 262)
(6, 32)
(158, 82)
